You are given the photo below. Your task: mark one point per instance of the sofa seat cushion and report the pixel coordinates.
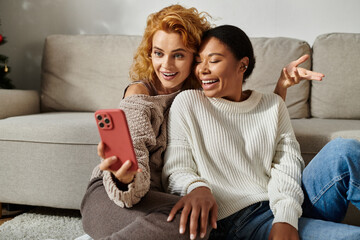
(56, 127)
(47, 159)
(314, 133)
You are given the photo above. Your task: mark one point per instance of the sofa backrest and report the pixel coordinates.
(337, 55)
(85, 72)
(90, 72)
(272, 55)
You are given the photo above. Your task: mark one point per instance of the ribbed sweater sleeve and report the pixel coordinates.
(245, 152)
(285, 193)
(145, 116)
(180, 175)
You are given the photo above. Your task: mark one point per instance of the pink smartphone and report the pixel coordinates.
(115, 134)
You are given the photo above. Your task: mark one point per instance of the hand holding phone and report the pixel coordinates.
(116, 139)
(123, 174)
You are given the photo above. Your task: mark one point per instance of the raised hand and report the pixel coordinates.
(291, 75)
(199, 204)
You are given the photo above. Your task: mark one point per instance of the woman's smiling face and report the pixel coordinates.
(171, 60)
(219, 72)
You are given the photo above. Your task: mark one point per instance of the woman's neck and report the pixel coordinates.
(245, 95)
(163, 91)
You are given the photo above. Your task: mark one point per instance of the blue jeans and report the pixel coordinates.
(330, 181)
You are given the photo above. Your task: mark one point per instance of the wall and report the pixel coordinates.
(26, 23)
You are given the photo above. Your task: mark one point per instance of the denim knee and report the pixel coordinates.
(346, 146)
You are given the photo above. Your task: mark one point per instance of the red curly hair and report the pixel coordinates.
(188, 22)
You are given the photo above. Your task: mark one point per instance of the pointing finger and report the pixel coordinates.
(301, 59)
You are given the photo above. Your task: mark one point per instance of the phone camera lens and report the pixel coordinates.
(102, 125)
(99, 117)
(106, 120)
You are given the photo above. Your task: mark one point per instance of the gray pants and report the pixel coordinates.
(102, 219)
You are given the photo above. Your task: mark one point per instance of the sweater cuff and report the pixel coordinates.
(287, 214)
(96, 173)
(121, 198)
(197, 184)
(121, 186)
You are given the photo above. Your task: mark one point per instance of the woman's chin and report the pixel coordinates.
(209, 93)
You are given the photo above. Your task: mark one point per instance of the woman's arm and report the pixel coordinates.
(134, 89)
(122, 176)
(284, 187)
(181, 177)
(291, 74)
(141, 113)
(180, 172)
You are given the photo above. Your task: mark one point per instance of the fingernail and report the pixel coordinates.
(181, 230)
(168, 219)
(192, 236)
(202, 235)
(113, 158)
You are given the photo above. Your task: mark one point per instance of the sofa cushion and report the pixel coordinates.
(46, 159)
(45, 174)
(314, 133)
(337, 55)
(85, 72)
(272, 55)
(54, 128)
(18, 102)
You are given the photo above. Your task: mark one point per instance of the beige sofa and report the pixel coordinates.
(48, 140)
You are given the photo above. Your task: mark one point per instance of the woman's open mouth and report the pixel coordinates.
(209, 81)
(169, 75)
(207, 84)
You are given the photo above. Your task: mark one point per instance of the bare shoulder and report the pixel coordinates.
(137, 88)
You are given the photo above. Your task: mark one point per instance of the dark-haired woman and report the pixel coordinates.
(234, 157)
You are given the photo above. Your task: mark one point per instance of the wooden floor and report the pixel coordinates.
(2, 220)
(6, 215)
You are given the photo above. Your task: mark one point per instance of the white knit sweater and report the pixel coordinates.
(245, 152)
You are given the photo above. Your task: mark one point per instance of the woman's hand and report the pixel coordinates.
(199, 204)
(292, 75)
(283, 231)
(122, 174)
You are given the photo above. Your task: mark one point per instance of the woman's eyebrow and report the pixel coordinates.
(175, 50)
(211, 54)
(214, 54)
(179, 50)
(157, 48)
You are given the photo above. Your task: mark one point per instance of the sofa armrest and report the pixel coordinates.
(18, 102)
